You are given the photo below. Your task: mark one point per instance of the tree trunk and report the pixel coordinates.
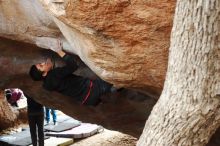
(188, 111)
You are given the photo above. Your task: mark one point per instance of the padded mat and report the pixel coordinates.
(82, 131)
(65, 125)
(22, 138)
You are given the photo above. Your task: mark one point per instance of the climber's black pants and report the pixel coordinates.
(98, 89)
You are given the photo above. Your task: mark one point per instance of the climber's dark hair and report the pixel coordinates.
(36, 74)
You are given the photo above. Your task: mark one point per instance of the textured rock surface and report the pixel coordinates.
(7, 117)
(10, 116)
(25, 21)
(124, 42)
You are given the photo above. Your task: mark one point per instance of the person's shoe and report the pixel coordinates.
(55, 123)
(114, 89)
(47, 123)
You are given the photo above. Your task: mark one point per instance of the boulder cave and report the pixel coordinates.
(124, 42)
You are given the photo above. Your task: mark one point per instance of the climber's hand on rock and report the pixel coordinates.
(58, 46)
(54, 44)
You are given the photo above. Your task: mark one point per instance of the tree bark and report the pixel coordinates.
(188, 111)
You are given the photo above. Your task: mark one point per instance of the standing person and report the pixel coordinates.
(13, 95)
(62, 80)
(36, 121)
(54, 115)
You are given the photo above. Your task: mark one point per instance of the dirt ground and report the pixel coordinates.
(107, 138)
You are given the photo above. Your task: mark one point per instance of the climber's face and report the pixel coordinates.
(45, 66)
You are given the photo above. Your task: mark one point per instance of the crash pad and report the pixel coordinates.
(65, 125)
(22, 138)
(82, 131)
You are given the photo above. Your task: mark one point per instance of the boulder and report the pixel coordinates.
(123, 42)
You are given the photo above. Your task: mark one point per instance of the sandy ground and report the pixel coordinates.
(107, 138)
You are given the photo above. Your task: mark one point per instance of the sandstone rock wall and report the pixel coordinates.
(124, 42)
(25, 21)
